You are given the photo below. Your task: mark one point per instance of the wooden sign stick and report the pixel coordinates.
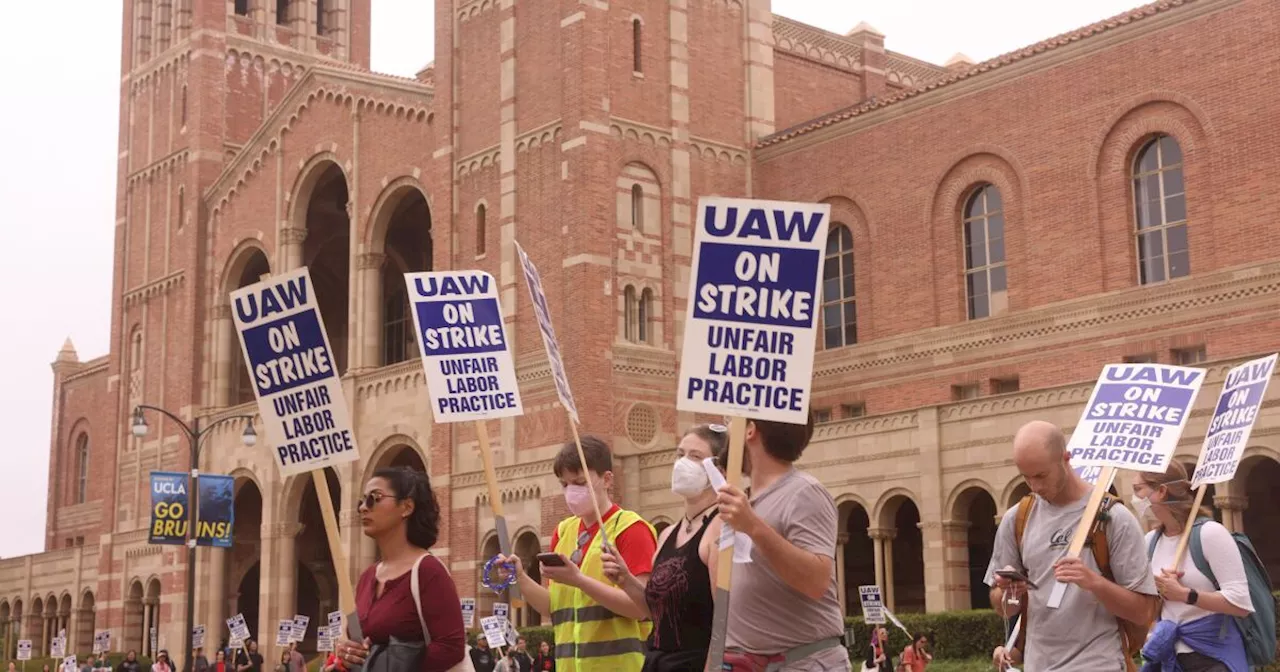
(724, 566)
(1084, 528)
(346, 594)
(1186, 529)
(495, 502)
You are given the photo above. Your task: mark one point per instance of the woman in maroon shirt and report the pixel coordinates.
(399, 511)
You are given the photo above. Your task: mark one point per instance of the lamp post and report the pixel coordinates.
(195, 435)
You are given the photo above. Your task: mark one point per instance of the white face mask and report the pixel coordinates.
(688, 478)
(1141, 506)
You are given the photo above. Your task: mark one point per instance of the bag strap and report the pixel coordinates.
(1020, 521)
(1098, 538)
(1197, 553)
(417, 597)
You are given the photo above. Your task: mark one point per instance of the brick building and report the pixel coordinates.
(1006, 228)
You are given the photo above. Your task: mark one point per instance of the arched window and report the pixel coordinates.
(629, 317)
(397, 324)
(839, 311)
(636, 32)
(481, 212)
(1160, 207)
(182, 206)
(82, 467)
(242, 7)
(282, 12)
(184, 104)
(644, 317)
(984, 267)
(637, 207)
(135, 349)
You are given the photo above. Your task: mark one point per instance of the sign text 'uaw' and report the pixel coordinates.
(464, 347)
(1232, 422)
(294, 376)
(752, 319)
(1135, 416)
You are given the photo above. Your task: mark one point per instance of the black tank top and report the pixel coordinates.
(679, 595)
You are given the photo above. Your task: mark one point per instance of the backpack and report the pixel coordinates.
(1258, 628)
(1132, 635)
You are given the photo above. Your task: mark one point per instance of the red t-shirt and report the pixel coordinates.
(636, 543)
(395, 615)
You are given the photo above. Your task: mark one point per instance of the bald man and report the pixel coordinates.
(1082, 634)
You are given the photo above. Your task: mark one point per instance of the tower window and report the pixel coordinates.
(635, 45)
(637, 207)
(242, 7)
(182, 206)
(282, 12)
(1160, 202)
(481, 212)
(184, 104)
(320, 17)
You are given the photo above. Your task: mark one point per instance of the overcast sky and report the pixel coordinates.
(58, 121)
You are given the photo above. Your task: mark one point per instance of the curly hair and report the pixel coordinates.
(424, 523)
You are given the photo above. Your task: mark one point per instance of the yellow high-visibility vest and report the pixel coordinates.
(590, 637)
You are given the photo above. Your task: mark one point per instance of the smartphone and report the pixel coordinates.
(1015, 575)
(551, 559)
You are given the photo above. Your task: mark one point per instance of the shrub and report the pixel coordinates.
(957, 634)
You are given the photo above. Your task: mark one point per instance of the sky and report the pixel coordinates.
(59, 125)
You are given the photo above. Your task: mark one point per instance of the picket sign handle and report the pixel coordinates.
(495, 502)
(346, 595)
(724, 565)
(582, 457)
(1105, 478)
(1186, 529)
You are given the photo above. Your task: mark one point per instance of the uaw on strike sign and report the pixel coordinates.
(1135, 416)
(294, 376)
(470, 373)
(750, 337)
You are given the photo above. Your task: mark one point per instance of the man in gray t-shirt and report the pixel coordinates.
(1082, 633)
(784, 608)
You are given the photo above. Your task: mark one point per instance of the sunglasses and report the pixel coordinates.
(718, 429)
(371, 500)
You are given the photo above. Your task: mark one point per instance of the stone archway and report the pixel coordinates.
(315, 579)
(326, 251)
(970, 539)
(485, 598)
(856, 557)
(402, 232)
(527, 547)
(902, 546)
(1261, 516)
(241, 580)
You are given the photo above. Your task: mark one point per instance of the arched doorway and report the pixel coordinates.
(36, 626)
(527, 547)
(50, 619)
(485, 599)
(904, 555)
(316, 581)
(86, 622)
(327, 251)
(970, 541)
(241, 582)
(859, 560)
(248, 269)
(5, 628)
(152, 603)
(1262, 514)
(407, 250)
(133, 618)
(1019, 491)
(15, 628)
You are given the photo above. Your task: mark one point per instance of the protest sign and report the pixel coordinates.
(155, 639)
(58, 647)
(335, 623)
(216, 512)
(1133, 420)
(501, 609)
(1232, 421)
(68, 663)
(495, 630)
(24, 649)
(469, 612)
(197, 637)
(300, 623)
(1089, 475)
(299, 392)
(237, 626)
(872, 605)
(236, 643)
(750, 330)
(324, 639)
(467, 360)
(168, 508)
(284, 632)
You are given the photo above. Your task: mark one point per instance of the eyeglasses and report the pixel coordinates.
(371, 500)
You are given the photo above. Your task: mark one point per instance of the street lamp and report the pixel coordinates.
(195, 435)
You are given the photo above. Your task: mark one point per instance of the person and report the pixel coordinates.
(13, 667)
(88, 664)
(297, 663)
(219, 661)
(878, 659)
(785, 613)
(678, 594)
(545, 660)
(597, 627)
(916, 656)
(482, 657)
(521, 655)
(400, 513)
(162, 663)
(506, 661)
(201, 662)
(1194, 620)
(130, 663)
(1083, 633)
(248, 659)
(331, 663)
(285, 660)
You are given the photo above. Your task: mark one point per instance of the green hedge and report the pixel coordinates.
(957, 634)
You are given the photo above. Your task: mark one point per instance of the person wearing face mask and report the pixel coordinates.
(678, 594)
(596, 625)
(1195, 632)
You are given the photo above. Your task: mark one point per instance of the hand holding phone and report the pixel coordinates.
(1014, 575)
(551, 559)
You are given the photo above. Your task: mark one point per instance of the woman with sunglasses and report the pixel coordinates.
(399, 511)
(678, 593)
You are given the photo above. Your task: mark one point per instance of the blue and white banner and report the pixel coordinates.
(468, 612)
(1232, 421)
(294, 375)
(1135, 416)
(169, 504)
(24, 649)
(217, 510)
(464, 347)
(751, 326)
(872, 605)
(543, 314)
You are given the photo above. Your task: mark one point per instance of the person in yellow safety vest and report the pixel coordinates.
(597, 627)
